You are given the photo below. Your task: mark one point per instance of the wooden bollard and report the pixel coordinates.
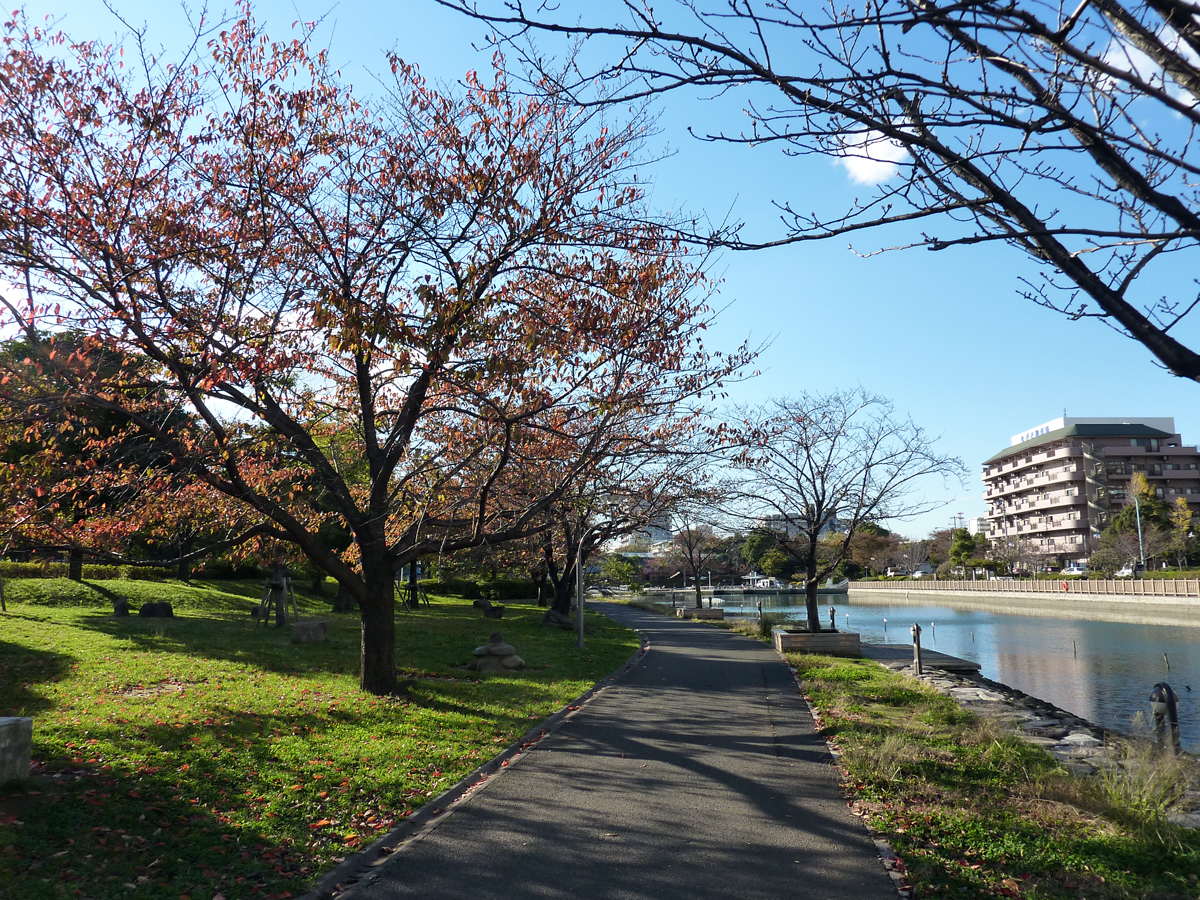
(916, 636)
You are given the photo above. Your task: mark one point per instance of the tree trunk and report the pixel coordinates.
(541, 582)
(378, 657)
(344, 601)
(699, 597)
(185, 567)
(810, 593)
(563, 592)
(75, 554)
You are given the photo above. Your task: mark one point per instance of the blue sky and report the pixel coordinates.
(945, 336)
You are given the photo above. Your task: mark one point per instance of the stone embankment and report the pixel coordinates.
(1079, 745)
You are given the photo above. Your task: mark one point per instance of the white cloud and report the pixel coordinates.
(1122, 55)
(871, 158)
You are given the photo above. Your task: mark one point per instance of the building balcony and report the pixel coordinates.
(1024, 461)
(1044, 501)
(1046, 528)
(1071, 472)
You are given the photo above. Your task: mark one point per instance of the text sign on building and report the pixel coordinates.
(1044, 428)
(1037, 432)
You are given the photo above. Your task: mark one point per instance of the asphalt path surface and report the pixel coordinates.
(698, 774)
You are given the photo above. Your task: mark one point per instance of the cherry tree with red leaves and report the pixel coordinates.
(386, 313)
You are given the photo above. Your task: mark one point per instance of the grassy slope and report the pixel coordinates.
(200, 754)
(973, 812)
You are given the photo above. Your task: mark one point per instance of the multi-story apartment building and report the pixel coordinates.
(1058, 484)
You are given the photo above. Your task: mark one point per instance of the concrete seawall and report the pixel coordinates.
(1183, 611)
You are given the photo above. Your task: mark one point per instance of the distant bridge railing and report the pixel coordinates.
(1127, 587)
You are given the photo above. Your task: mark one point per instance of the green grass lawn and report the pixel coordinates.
(200, 755)
(974, 812)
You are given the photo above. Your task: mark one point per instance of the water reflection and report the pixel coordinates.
(1097, 660)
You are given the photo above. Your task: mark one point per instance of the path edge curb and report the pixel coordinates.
(343, 879)
(892, 864)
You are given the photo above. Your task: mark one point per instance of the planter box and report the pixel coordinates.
(692, 612)
(830, 643)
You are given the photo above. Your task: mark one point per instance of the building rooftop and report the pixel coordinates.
(1106, 429)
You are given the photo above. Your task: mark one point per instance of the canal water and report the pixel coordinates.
(1097, 660)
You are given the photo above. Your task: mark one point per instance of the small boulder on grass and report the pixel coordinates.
(497, 655)
(157, 610)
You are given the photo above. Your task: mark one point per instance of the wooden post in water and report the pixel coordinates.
(916, 636)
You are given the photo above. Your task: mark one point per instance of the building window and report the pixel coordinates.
(1116, 468)
(1150, 444)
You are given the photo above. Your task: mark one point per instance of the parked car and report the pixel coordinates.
(1131, 570)
(894, 571)
(1075, 569)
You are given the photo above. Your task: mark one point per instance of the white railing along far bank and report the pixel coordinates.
(1131, 587)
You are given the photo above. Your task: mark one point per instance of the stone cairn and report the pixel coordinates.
(496, 655)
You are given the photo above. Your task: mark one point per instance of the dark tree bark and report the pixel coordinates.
(75, 563)
(343, 601)
(1068, 136)
(564, 592)
(378, 611)
(184, 571)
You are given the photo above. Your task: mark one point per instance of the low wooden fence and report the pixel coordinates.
(1130, 587)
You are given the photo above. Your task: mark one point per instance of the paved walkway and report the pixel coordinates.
(697, 775)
